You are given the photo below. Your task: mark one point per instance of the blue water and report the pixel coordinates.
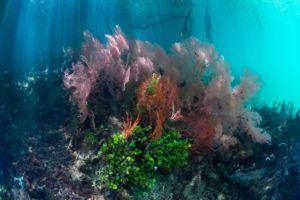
(264, 36)
(259, 34)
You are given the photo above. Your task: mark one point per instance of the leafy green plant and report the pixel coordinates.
(133, 163)
(170, 150)
(90, 138)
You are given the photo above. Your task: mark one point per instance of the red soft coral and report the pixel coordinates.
(158, 96)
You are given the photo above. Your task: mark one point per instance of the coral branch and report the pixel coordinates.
(128, 125)
(158, 96)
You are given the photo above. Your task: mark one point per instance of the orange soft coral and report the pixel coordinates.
(128, 125)
(157, 97)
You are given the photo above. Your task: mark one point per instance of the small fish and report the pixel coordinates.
(161, 71)
(182, 84)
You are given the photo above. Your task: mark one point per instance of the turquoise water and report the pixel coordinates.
(264, 36)
(259, 34)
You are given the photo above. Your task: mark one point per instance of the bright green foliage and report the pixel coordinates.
(126, 164)
(132, 162)
(170, 150)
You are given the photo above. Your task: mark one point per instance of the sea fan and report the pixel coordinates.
(112, 64)
(192, 84)
(81, 81)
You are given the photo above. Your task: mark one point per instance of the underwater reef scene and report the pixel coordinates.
(126, 119)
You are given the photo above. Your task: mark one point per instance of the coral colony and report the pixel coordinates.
(187, 91)
(191, 84)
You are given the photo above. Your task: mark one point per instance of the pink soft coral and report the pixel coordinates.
(82, 81)
(199, 67)
(211, 109)
(115, 64)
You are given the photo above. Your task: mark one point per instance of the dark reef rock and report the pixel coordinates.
(53, 160)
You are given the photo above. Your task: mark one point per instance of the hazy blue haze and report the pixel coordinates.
(260, 34)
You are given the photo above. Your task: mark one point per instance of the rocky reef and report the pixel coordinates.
(128, 120)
